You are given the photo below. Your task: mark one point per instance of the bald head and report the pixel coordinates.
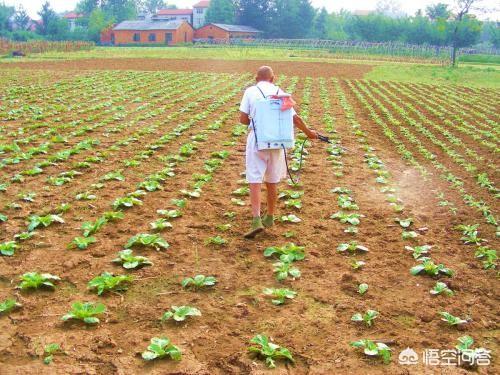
(265, 73)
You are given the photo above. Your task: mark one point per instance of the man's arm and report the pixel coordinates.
(244, 118)
(299, 123)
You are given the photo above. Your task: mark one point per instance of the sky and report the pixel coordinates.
(409, 7)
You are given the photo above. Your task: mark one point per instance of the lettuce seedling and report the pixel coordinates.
(126, 202)
(179, 202)
(367, 317)
(3, 218)
(161, 347)
(224, 227)
(351, 247)
(89, 228)
(269, 351)
(160, 224)
(441, 287)
(341, 190)
(464, 343)
(85, 196)
(146, 239)
(418, 251)
(346, 202)
(428, 267)
(289, 234)
(242, 191)
(220, 154)
(284, 270)
(8, 305)
(8, 248)
(357, 264)
(35, 280)
(199, 281)
(344, 218)
(489, 257)
(362, 288)
(35, 221)
(130, 261)
(237, 202)
(106, 282)
(24, 236)
(293, 203)
(451, 319)
(409, 235)
(217, 240)
(290, 218)
(287, 253)
(470, 234)
(85, 311)
(279, 294)
(405, 223)
(82, 242)
(113, 215)
(180, 313)
(170, 214)
(292, 194)
(49, 351)
(191, 193)
(371, 348)
(113, 175)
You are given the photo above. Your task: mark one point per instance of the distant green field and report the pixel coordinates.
(480, 59)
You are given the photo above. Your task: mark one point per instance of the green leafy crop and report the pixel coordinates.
(8, 305)
(85, 311)
(199, 281)
(451, 319)
(146, 239)
(371, 348)
(49, 351)
(106, 282)
(129, 261)
(35, 280)
(352, 218)
(8, 248)
(418, 251)
(362, 288)
(284, 270)
(180, 313)
(217, 240)
(351, 247)
(367, 317)
(279, 294)
(428, 267)
(441, 288)
(269, 351)
(82, 242)
(35, 221)
(161, 347)
(287, 253)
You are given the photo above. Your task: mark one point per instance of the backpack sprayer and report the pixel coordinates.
(275, 126)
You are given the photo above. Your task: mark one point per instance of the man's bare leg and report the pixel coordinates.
(272, 197)
(255, 202)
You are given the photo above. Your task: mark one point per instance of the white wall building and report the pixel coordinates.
(199, 13)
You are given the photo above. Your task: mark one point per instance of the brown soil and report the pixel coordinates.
(315, 326)
(301, 69)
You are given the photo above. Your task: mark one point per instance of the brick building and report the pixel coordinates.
(223, 31)
(150, 31)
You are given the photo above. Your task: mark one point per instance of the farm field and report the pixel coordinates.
(95, 162)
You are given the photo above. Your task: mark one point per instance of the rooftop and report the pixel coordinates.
(143, 25)
(174, 12)
(202, 4)
(72, 15)
(236, 28)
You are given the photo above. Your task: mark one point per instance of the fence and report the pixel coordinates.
(390, 51)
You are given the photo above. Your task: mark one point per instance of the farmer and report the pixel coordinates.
(266, 165)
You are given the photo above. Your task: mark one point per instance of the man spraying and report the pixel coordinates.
(265, 165)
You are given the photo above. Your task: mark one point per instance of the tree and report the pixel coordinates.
(255, 13)
(47, 17)
(220, 11)
(97, 22)
(6, 12)
(21, 18)
(438, 11)
(285, 21)
(87, 6)
(306, 15)
(120, 10)
(320, 28)
(466, 29)
(152, 6)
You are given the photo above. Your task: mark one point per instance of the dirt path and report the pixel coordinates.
(301, 69)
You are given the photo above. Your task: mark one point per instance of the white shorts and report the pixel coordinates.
(263, 166)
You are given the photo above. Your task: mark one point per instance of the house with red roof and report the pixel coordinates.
(72, 17)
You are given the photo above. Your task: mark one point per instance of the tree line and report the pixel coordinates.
(291, 19)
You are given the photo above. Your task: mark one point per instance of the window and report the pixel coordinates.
(137, 37)
(152, 37)
(168, 38)
(112, 38)
(199, 10)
